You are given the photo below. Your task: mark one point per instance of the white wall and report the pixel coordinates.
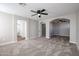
(33, 28)
(77, 29)
(6, 28)
(48, 30)
(39, 29)
(62, 29)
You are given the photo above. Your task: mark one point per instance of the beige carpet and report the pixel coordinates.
(57, 46)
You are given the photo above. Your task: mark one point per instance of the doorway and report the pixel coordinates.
(60, 28)
(21, 30)
(43, 30)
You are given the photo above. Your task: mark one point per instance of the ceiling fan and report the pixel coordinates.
(39, 12)
(62, 20)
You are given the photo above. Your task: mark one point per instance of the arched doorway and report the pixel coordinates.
(60, 28)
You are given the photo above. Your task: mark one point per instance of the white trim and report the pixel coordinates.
(73, 42)
(77, 45)
(47, 37)
(60, 35)
(7, 43)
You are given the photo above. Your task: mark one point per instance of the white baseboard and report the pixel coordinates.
(47, 37)
(5, 43)
(77, 44)
(73, 42)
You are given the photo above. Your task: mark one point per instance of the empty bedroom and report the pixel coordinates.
(39, 29)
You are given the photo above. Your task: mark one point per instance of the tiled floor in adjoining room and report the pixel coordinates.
(56, 46)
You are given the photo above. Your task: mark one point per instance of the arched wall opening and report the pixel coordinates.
(60, 27)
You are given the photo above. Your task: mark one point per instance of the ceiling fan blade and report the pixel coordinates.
(34, 11)
(34, 14)
(42, 10)
(44, 13)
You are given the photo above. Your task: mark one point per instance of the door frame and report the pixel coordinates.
(25, 29)
(42, 30)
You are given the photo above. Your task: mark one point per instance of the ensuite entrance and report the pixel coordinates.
(21, 30)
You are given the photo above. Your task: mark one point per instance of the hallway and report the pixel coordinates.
(56, 46)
